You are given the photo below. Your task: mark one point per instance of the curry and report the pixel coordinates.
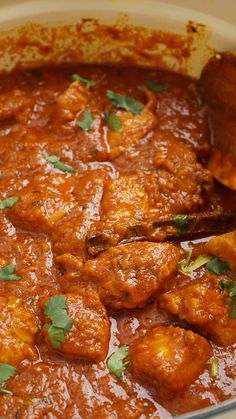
(117, 251)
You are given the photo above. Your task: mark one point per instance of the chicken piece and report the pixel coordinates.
(218, 82)
(133, 129)
(170, 358)
(224, 246)
(15, 105)
(72, 101)
(17, 332)
(33, 260)
(69, 234)
(204, 305)
(43, 202)
(129, 198)
(126, 276)
(181, 179)
(90, 333)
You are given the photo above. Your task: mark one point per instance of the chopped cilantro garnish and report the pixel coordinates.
(116, 363)
(6, 371)
(87, 83)
(8, 202)
(229, 285)
(233, 309)
(187, 268)
(181, 221)
(214, 368)
(86, 122)
(125, 102)
(113, 121)
(55, 160)
(225, 284)
(56, 310)
(156, 87)
(217, 266)
(7, 273)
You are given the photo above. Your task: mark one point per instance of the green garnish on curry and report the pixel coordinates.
(56, 310)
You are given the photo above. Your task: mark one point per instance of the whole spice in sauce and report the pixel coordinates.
(214, 368)
(56, 310)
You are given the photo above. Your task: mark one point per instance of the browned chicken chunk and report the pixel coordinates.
(224, 246)
(17, 332)
(89, 333)
(170, 358)
(127, 276)
(204, 305)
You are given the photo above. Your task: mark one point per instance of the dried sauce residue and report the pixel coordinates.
(90, 41)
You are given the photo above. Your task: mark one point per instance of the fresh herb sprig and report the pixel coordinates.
(8, 202)
(187, 268)
(156, 87)
(181, 221)
(6, 371)
(86, 122)
(125, 102)
(217, 266)
(7, 273)
(56, 162)
(55, 309)
(87, 83)
(116, 362)
(113, 121)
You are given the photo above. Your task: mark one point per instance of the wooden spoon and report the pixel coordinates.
(218, 83)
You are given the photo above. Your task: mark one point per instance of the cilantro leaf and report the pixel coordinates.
(188, 268)
(233, 309)
(217, 266)
(113, 121)
(7, 273)
(8, 202)
(55, 160)
(181, 221)
(156, 87)
(232, 289)
(229, 285)
(56, 336)
(125, 102)
(86, 122)
(6, 371)
(224, 284)
(55, 309)
(116, 363)
(87, 83)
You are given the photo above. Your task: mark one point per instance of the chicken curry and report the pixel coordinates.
(117, 251)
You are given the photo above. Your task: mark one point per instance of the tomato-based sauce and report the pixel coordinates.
(96, 164)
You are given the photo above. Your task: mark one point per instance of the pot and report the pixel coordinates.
(150, 33)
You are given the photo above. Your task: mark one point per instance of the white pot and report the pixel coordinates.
(42, 31)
